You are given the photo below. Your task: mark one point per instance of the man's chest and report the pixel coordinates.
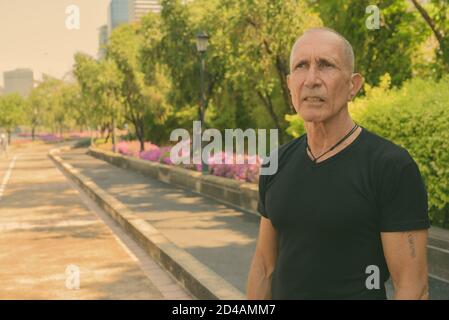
(328, 199)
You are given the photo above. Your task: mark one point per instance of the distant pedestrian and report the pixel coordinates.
(3, 145)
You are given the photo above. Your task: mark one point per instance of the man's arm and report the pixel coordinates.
(406, 257)
(263, 263)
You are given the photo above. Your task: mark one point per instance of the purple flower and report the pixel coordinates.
(220, 164)
(151, 155)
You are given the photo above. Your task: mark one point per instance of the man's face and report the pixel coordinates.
(320, 79)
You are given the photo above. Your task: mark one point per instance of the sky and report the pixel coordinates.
(33, 34)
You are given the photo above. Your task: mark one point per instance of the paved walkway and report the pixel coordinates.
(222, 238)
(48, 231)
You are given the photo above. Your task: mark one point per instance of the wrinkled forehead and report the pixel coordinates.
(316, 45)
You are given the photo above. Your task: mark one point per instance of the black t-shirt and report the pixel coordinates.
(329, 215)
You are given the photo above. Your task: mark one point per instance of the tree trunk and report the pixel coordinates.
(140, 133)
(91, 136)
(269, 106)
(102, 129)
(114, 141)
(283, 71)
(107, 137)
(439, 33)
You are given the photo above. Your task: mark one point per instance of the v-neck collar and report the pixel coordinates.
(356, 141)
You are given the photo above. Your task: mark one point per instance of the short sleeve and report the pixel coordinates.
(263, 182)
(403, 199)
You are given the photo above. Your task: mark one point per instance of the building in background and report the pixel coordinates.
(19, 81)
(117, 13)
(138, 8)
(102, 41)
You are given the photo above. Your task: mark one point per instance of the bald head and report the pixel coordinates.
(345, 47)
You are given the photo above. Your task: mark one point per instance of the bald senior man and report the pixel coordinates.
(346, 208)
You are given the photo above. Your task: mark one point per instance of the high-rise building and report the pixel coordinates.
(138, 8)
(18, 81)
(102, 41)
(117, 13)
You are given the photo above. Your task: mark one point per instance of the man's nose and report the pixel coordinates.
(312, 78)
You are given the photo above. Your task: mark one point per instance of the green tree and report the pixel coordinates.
(12, 112)
(37, 104)
(256, 40)
(178, 53)
(247, 61)
(70, 100)
(388, 49)
(45, 106)
(436, 16)
(143, 94)
(108, 91)
(90, 110)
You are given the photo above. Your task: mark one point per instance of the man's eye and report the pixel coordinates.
(326, 64)
(300, 65)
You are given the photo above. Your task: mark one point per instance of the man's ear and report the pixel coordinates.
(356, 84)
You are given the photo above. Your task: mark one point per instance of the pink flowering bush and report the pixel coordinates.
(238, 167)
(247, 171)
(132, 148)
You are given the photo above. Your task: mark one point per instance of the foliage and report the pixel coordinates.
(390, 48)
(12, 111)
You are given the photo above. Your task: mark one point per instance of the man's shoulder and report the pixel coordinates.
(284, 148)
(385, 152)
(282, 151)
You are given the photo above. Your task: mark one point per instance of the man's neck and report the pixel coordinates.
(321, 136)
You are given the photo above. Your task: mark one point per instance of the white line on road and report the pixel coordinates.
(7, 175)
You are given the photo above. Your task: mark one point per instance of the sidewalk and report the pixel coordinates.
(47, 232)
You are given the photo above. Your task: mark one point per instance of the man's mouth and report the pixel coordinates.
(313, 99)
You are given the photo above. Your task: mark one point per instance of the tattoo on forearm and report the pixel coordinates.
(411, 244)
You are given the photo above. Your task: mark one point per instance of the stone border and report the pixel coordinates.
(244, 196)
(197, 278)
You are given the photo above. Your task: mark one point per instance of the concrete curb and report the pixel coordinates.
(197, 278)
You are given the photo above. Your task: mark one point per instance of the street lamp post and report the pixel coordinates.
(202, 41)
